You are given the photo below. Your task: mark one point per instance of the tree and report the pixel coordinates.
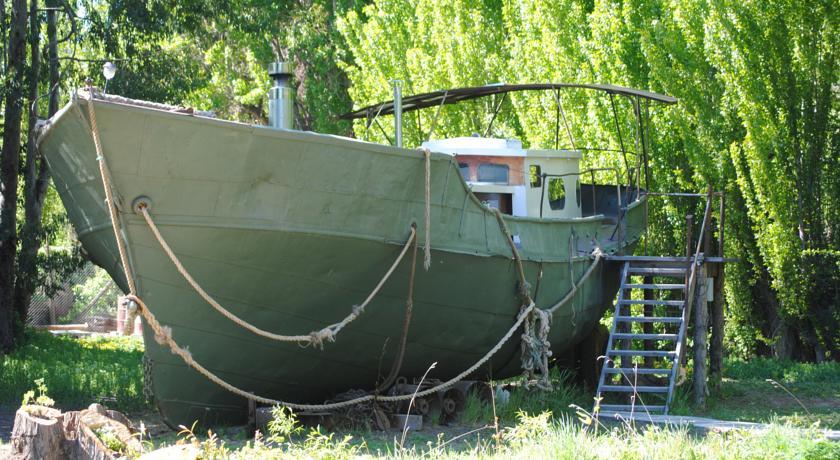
(9, 164)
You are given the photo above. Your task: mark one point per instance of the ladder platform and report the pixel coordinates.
(667, 259)
(632, 389)
(622, 335)
(656, 286)
(629, 408)
(673, 303)
(636, 371)
(674, 271)
(649, 319)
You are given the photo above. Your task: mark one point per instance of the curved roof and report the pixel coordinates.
(420, 101)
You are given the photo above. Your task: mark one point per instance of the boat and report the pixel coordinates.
(291, 231)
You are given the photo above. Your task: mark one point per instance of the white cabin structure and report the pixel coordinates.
(509, 178)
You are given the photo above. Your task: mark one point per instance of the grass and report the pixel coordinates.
(76, 372)
(757, 391)
(532, 436)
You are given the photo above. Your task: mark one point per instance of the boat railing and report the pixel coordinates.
(620, 209)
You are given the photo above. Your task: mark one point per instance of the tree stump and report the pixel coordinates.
(38, 433)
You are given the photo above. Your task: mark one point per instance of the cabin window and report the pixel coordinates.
(465, 170)
(535, 173)
(497, 174)
(556, 194)
(577, 191)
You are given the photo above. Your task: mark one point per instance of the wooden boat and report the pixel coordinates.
(288, 230)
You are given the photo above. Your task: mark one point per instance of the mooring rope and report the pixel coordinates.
(535, 346)
(409, 307)
(109, 195)
(163, 335)
(316, 338)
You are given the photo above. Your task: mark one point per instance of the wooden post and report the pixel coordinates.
(701, 329)
(716, 348)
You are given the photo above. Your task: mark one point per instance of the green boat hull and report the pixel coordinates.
(289, 230)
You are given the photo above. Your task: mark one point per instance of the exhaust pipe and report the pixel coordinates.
(281, 102)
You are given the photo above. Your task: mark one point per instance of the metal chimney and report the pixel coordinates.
(281, 103)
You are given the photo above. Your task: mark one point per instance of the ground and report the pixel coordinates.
(108, 370)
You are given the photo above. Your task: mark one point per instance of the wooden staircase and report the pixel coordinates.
(644, 350)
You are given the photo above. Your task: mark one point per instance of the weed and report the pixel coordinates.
(42, 399)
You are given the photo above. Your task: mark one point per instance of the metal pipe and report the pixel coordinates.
(398, 139)
(281, 103)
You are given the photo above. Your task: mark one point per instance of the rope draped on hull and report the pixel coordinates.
(535, 346)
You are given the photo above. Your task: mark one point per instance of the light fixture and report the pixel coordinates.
(108, 70)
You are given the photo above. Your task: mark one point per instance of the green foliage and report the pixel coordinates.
(110, 439)
(41, 399)
(757, 118)
(77, 371)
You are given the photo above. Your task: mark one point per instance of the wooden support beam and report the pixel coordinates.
(701, 330)
(716, 347)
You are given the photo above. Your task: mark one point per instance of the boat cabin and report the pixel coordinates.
(507, 177)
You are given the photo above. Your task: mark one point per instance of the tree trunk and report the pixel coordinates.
(9, 164)
(38, 434)
(34, 181)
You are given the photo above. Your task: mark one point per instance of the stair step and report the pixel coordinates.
(649, 319)
(646, 353)
(631, 389)
(636, 371)
(657, 271)
(673, 303)
(655, 286)
(621, 335)
(627, 408)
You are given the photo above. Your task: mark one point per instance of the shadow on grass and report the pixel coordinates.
(77, 372)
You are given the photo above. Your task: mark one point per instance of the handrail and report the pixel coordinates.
(693, 262)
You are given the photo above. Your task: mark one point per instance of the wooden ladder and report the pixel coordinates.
(625, 385)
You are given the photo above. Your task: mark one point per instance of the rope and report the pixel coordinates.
(524, 287)
(147, 104)
(575, 286)
(536, 349)
(409, 307)
(316, 338)
(163, 335)
(109, 196)
(427, 257)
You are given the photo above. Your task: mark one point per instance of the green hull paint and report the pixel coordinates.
(289, 230)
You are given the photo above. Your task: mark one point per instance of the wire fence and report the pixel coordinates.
(86, 296)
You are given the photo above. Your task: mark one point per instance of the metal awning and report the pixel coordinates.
(455, 95)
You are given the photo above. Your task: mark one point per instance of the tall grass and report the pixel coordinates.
(539, 436)
(105, 369)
